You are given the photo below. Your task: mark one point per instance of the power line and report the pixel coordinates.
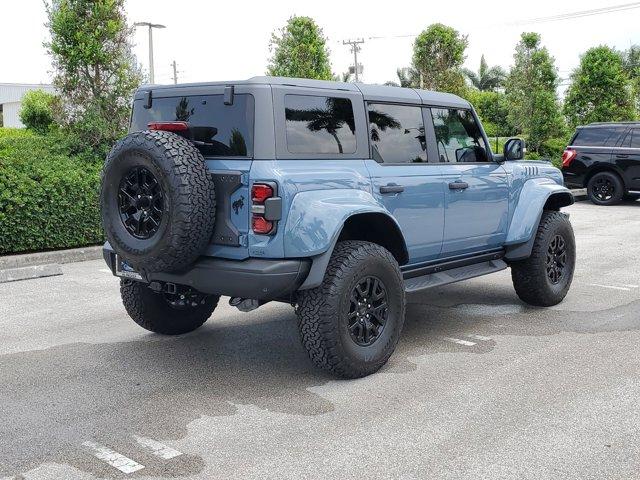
(579, 14)
(552, 18)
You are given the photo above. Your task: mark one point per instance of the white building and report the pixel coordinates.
(11, 98)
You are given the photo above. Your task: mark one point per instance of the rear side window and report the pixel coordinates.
(632, 140)
(458, 136)
(319, 125)
(218, 130)
(397, 133)
(597, 137)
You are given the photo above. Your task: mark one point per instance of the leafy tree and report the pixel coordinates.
(300, 50)
(631, 64)
(487, 78)
(600, 89)
(408, 77)
(438, 53)
(37, 110)
(531, 93)
(95, 71)
(493, 110)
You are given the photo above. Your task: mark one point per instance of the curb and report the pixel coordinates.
(43, 264)
(54, 256)
(27, 273)
(579, 193)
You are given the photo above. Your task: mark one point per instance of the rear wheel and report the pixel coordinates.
(168, 314)
(350, 324)
(544, 278)
(605, 188)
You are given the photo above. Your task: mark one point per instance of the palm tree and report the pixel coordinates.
(409, 77)
(332, 118)
(486, 79)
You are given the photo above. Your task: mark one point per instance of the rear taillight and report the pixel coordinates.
(169, 126)
(266, 208)
(261, 225)
(567, 157)
(260, 192)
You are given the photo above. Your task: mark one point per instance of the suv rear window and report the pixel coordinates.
(218, 130)
(319, 125)
(597, 137)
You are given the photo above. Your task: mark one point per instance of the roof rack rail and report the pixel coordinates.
(630, 122)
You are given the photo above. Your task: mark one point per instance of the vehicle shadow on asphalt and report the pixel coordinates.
(154, 387)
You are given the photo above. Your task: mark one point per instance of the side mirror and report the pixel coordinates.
(514, 149)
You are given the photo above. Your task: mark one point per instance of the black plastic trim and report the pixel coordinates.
(256, 278)
(412, 271)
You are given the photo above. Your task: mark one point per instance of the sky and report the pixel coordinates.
(217, 40)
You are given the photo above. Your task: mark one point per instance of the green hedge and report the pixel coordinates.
(48, 196)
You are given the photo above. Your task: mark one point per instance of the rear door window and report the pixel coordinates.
(597, 137)
(397, 133)
(632, 139)
(319, 124)
(217, 130)
(458, 136)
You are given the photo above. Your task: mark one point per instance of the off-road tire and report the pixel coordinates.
(322, 311)
(189, 204)
(152, 312)
(616, 183)
(530, 277)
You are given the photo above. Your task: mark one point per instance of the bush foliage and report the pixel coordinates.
(48, 197)
(37, 111)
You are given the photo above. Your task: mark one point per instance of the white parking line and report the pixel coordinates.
(480, 337)
(105, 270)
(113, 458)
(158, 449)
(613, 287)
(466, 343)
(630, 285)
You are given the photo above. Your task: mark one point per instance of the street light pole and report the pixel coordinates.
(151, 26)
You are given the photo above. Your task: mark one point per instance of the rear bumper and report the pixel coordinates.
(257, 278)
(572, 179)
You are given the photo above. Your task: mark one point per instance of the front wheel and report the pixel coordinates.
(351, 323)
(164, 313)
(544, 278)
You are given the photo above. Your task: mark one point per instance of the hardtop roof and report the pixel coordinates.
(379, 93)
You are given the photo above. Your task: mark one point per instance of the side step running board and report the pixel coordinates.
(437, 279)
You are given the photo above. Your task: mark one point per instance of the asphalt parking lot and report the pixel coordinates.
(481, 386)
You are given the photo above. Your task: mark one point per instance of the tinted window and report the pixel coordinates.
(458, 136)
(322, 125)
(397, 133)
(597, 137)
(217, 129)
(632, 139)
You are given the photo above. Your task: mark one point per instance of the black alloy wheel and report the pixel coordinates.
(141, 203)
(603, 189)
(368, 311)
(556, 259)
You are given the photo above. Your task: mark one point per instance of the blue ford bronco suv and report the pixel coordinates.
(338, 198)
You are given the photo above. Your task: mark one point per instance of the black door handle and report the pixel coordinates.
(458, 185)
(391, 188)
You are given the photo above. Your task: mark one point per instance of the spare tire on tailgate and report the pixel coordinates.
(157, 201)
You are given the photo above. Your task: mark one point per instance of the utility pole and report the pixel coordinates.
(151, 26)
(355, 48)
(175, 73)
